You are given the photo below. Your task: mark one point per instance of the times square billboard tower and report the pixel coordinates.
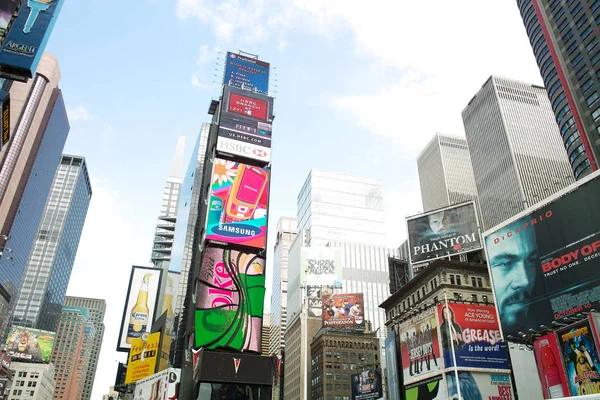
(222, 327)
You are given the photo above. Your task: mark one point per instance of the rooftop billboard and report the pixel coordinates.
(27, 344)
(343, 310)
(545, 263)
(22, 49)
(229, 300)
(246, 73)
(321, 266)
(238, 204)
(442, 233)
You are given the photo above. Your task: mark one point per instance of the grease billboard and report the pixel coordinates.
(238, 204)
(246, 73)
(472, 332)
(442, 233)
(229, 300)
(545, 263)
(24, 44)
(343, 310)
(27, 344)
(420, 348)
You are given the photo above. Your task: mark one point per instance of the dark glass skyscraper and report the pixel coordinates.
(52, 255)
(564, 38)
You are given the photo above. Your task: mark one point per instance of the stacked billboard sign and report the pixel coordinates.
(443, 233)
(249, 74)
(31, 345)
(545, 263)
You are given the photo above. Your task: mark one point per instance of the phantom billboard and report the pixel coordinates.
(344, 310)
(443, 233)
(31, 345)
(238, 204)
(229, 300)
(545, 264)
(246, 73)
(321, 266)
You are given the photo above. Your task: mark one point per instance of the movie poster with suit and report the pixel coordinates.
(471, 331)
(580, 356)
(420, 349)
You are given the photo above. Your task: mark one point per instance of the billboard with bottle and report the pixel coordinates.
(140, 305)
(551, 370)
(168, 308)
(142, 357)
(238, 203)
(247, 73)
(28, 344)
(229, 300)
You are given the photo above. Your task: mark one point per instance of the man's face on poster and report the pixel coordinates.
(514, 263)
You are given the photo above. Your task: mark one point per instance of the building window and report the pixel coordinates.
(452, 279)
(458, 280)
(423, 291)
(457, 296)
(479, 282)
(592, 98)
(473, 282)
(474, 298)
(484, 298)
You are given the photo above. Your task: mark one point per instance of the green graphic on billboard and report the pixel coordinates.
(27, 344)
(229, 300)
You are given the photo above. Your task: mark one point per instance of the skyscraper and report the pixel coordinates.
(342, 207)
(52, 255)
(563, 36)
(445, 172)
(39, 129)
(71, 352)
(165, 226)
(97, 308)
(515, 147)
(286, 233)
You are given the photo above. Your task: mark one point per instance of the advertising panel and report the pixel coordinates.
(140, 305)
(142, 357)
(238, 204)
(580, 355)
(479, 386)
(27, 344)
(473, 332)
(239, 148)
(429, 389)
(546, 264)
(246, 73)
(343, 310)
(163, 385)
(168, 307)
(229, 300)
(551, 370)
(366, 385)
(391, 359)
(443, 233)
(25, 42)
(420, 347)
(321, 266)
(5, 117)
(314, 297)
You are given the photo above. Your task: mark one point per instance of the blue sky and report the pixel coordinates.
(361, 88)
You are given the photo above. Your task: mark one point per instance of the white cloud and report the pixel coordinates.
(196, 82)
(79, 113)
(282, 45)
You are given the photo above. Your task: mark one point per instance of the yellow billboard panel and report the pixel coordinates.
(142, 357)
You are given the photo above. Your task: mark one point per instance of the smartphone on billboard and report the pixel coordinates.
(245, 193)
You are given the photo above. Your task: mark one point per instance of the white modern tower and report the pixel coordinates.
(445, 172)
(516, 149)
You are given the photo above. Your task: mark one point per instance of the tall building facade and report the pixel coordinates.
(445, 172)
(165, 226)
(32, 381)
(517, 154)
(286, 233)
(97, 308)
(50, 262)
(564, 39)
(39, 129)
(342, 207)
(71, 353)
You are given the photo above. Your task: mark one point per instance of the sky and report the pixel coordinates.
(359, 87)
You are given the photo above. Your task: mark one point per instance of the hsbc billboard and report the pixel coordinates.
(248, 150)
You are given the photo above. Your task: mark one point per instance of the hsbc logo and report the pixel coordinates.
(243, 149)
(259, 153)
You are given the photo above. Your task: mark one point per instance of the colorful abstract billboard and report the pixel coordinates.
(472, 332)
(551, 370)
(25, 42)
(229, 300)
(321, 266)
(27, 344)
(429, 389)
(419, 347)
(162, 385)
(580, 353)
(442, 233)
(246, 73)
(545, 265)
(142, 357)
(238, 204)
(245, 124)
(140, 305)
(479, 386)
(314, 295)
(391, 360)
(366, 385)
(343, 310)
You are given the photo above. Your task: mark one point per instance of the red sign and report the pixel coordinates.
(550, 367)
(248, 106)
